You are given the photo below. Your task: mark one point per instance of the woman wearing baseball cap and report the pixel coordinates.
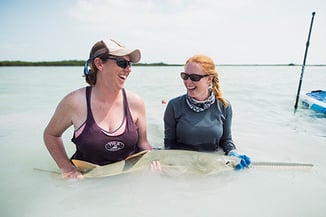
(109, 121)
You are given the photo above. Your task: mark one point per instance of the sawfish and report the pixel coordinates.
(173, 163)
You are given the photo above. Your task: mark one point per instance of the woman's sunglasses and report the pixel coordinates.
(193, 77)
(121, 62)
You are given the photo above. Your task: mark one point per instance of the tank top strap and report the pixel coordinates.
(125, 102)
(88, 102)
(129, 119)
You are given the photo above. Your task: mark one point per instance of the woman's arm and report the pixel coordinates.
(138, 109)
(169, 127)
(52, 136)
(226, 141)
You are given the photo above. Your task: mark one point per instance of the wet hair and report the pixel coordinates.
(98, 50)
(208, 66)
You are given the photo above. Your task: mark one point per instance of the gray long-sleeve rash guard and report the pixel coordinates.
(198, 131)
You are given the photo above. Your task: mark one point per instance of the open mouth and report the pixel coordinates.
(191, 88)
(124, 77)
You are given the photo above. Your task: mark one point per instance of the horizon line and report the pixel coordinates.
(81, 63)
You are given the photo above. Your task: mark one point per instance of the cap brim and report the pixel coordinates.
(134, 54)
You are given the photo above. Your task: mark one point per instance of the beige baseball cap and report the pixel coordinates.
(112, 47)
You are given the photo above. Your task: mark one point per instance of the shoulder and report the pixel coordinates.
(177, 100)
(70, 110)
(75, 95)
(74, 99)
(219, 102)
(134, 100)
(224, 109)
(176, 105)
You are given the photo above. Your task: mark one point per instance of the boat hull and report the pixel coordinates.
(315, 100)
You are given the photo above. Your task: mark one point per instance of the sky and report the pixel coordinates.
(169, 31)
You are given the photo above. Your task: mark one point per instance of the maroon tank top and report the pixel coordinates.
(96, 146)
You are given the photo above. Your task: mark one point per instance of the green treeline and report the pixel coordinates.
(81, 63)
(69, 63)
(43, 63)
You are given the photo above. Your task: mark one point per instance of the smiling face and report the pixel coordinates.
(110, 73)
(117, 69)
(197, 89)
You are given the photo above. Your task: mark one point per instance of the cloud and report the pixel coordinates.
(161, 27)
(153, 14)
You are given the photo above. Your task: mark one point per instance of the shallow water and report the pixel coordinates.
(264, 127)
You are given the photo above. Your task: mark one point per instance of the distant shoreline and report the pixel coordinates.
(69, 63)
(81, 63)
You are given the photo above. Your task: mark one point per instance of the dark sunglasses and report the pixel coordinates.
(121, 62)
(193, 77)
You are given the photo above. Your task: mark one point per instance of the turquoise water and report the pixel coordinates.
(264, 127)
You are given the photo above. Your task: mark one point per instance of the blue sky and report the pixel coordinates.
(231, 32)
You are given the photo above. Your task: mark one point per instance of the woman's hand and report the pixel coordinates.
(72, 174)
(245, 161)
(156, 167)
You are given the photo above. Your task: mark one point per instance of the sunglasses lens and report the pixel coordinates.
(184, 76)
(194, 77)
(123, 63)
